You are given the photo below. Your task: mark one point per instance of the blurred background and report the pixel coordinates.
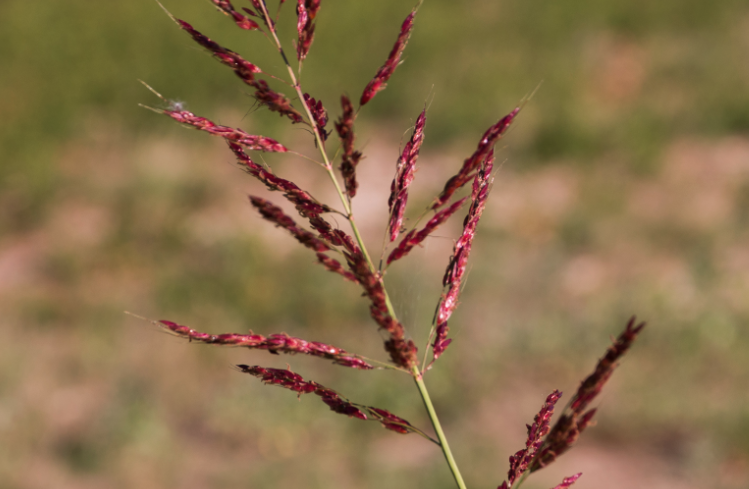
(624, 190)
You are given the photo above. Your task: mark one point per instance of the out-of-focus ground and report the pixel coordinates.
(624, 190)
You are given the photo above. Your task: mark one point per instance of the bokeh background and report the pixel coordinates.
(624, 190)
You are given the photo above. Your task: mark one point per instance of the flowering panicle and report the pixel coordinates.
(474, 162)
(275, 343)
(238, 136)
(404, 175)
(379, 82)
(520, 461)
(350, 158)
(337, 403)
(242, 22)
(306, 12)
(413, 238)
(246, 71)
(575, 418)
(319, 114)
(457, 266)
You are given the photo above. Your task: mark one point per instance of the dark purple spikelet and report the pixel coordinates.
(474, 162)
(337, 403)
(238, 136)
(414, 238)
(275, 215)
(275, 343)
(242, 22)
(458, 261)
(319, 114)
(334, 266)
(568, 481)
(404, 176)
(306, 12)
(520, 461)
(577, 417)
(350, 157)
(379, 82)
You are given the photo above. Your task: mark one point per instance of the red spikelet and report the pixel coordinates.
(473, 163)
(404, 175)
(319, 114)
(242, 22)
(306, 12)
(379, 82)
(350, 157)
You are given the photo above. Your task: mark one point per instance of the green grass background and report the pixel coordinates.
(625, 189)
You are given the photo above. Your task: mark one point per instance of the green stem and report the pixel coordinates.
(438, 427)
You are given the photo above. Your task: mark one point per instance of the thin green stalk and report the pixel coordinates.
(438, 428)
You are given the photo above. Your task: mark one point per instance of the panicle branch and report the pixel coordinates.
(457, 265)
(520, 461)
(242, 22)
(337, 403)
(404, 175)
(413, 238)
(319, 114)
(472, 164)
(238, 136)
(275, 343)
(275, 215)
(306, 12)
(350, 157)
(246, 71)
(575, 418)
(379, 82)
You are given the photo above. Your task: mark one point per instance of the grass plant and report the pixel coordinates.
(343, 250)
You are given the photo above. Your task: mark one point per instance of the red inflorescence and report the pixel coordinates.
(404, 175)
(379, 82)
(275, 343)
